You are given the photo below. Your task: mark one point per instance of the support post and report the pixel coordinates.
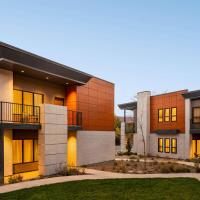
(1, 154)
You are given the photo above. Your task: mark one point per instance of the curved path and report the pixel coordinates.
(91, 175)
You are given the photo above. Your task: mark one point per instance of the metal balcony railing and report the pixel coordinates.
(74, 118)
(19, 113)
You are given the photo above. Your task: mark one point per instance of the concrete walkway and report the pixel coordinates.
(93, 174)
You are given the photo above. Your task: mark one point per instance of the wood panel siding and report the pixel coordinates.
(96, 102)
(165, 101)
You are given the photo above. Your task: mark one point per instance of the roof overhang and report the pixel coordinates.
(128, 106)
(18, 61)
(192, 95)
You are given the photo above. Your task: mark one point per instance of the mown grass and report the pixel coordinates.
(134, 189)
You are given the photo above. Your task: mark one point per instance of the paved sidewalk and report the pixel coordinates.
(92, 175)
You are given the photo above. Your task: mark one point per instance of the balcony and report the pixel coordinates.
(13, 115)
(74, 120)
(195, 125)
(130, 127)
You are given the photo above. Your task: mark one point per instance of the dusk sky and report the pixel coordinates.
(138, 45)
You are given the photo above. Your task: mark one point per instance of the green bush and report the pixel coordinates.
(15, 179)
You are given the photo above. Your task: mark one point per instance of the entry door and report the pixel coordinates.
(71, 149)
(195, 148)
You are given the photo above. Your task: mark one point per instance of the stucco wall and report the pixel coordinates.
(50, 90)
(180, 145)
(95, 147)
(52, 139)
(6, 85)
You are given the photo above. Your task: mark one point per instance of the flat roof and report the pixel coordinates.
(18, 60)
(128, 106)
(192, 94)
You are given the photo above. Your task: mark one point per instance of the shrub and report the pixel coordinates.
(70, 171)
(15, 179)
(165, 169)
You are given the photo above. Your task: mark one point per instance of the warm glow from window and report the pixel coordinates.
(35, 150)
(38, 99)
(160, 115)
(196, 115)
(17, 151)
(160, 145)
(71, 149)
(167, 115)
(167, 145)
(28, 151)
(173, 145)
(174, 114)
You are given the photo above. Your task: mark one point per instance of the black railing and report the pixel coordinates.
(195, 123)
(130, 127)
(74, 118)
(18, 113)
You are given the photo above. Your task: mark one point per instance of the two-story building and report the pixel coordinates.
(168, 124)
(51, 115)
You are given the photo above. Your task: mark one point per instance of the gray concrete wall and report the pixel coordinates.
(52, 138)
(180, 145)
(95, 147)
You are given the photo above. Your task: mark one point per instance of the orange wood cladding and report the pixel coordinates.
(96, 102)
(169, 100)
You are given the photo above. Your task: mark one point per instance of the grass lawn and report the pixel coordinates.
(142, 189)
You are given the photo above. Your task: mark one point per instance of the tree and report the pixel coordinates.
(141, 128)
(117, 127)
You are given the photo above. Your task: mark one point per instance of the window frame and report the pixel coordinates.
(173, 115)
(167, 116)
(175, 152)
(160, 146)
(34, 160)
(165, 145)
(193, 108)
(160, 109)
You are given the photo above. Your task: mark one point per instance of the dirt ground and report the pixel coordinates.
(138, 167)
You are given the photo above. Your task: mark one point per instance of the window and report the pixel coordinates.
(173, 145)
(160, 144)
(59, 101)
(167, 145)
(196, 115)
(174, 114)
(167, 114)
(25, 151)
(160, 115)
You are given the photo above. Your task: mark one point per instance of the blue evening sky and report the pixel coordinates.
(139, 45)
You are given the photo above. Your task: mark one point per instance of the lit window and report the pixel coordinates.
(173, 145)
(196, 115)
(174, 114)
(25, 151)
(167, 145)
(167, 115)
(17, 151)
(160, 144)
(160, 115)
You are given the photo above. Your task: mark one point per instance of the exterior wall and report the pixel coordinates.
(95, 147)
(50, 90)
(143, 121)
(169, 100)
(6, 85)
(188, 136)
(180, 145)
(8, 159)
(96, 102)
(52, 139)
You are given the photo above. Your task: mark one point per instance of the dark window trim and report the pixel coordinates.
(159, 115)
(60, 98)
(23, 152)
(173, 115)
(159, 145)
(193, 115)
(165, 145)
(175, 146)
(167, 116)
